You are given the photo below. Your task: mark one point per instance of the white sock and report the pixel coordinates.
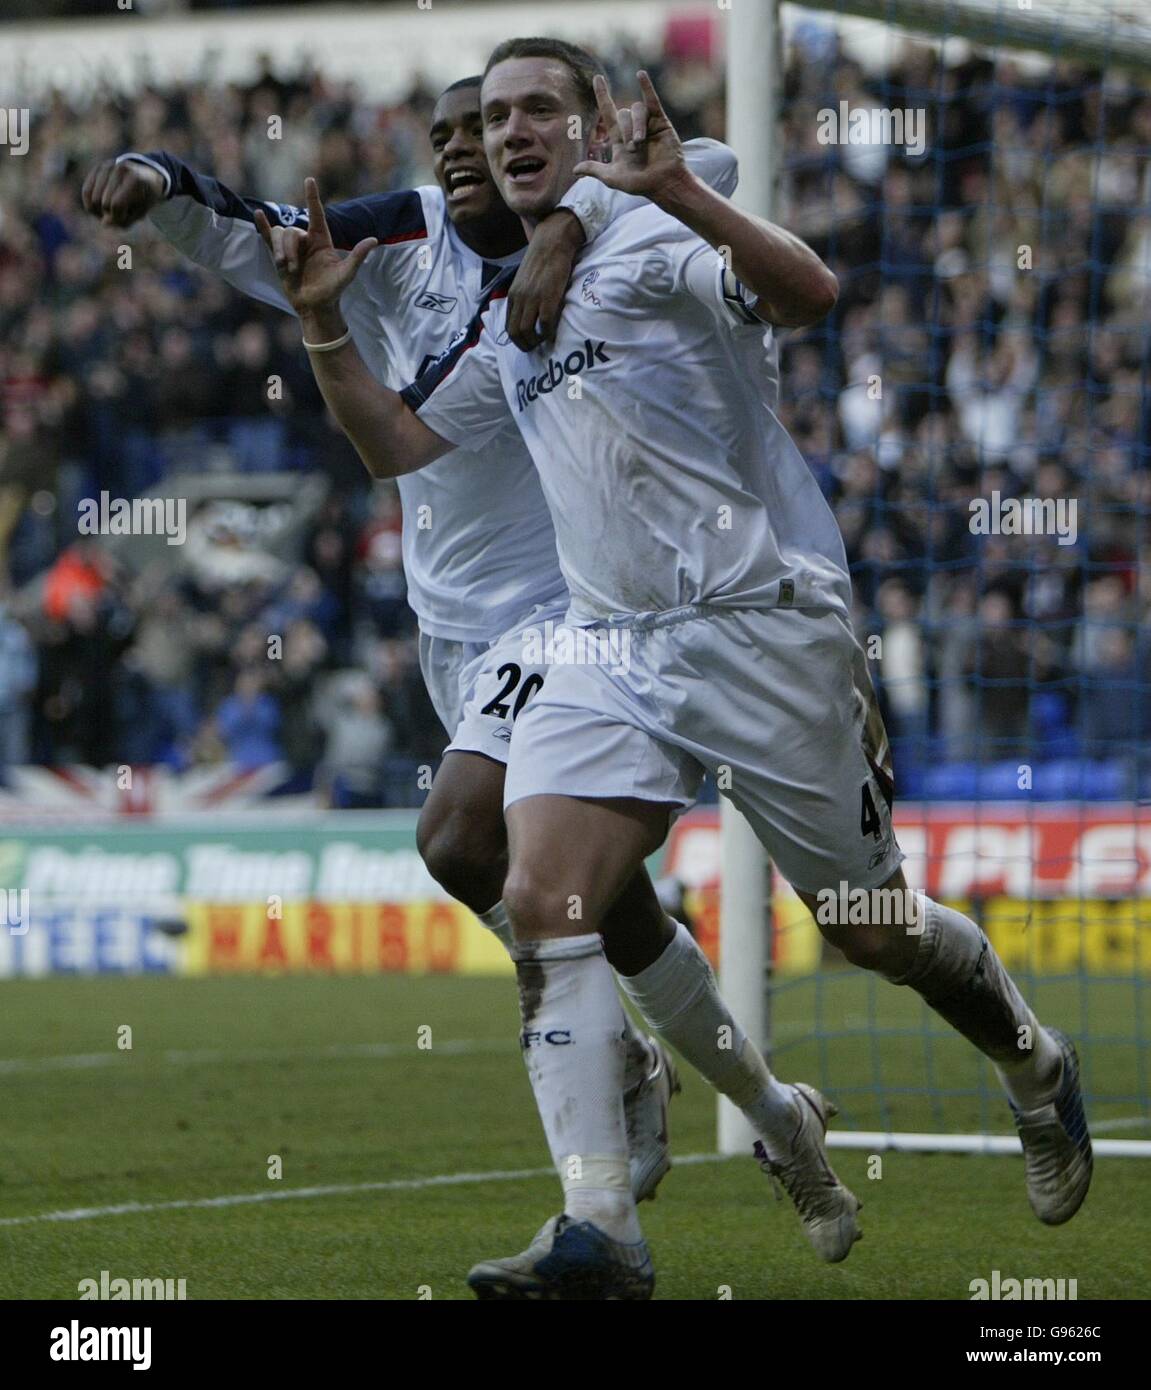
(678, 997)
(573, 1042)
(958, 972)
(638, 1059)
(498, 922)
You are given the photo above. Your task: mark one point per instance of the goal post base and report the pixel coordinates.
(884, 1141)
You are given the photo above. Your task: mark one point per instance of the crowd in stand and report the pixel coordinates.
(991, 341)
(998, 289)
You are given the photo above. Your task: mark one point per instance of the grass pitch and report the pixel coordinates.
(327, 1074)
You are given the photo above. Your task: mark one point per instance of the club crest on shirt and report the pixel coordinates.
(586, 292)
(290, 216)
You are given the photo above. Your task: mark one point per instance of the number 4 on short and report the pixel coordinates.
(869, 822)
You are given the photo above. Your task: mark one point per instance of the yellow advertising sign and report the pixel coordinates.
(340, 938)
(1050, 936)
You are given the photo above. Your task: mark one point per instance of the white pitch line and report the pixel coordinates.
(241, 1199)
(82, 1061)
(841, 1140)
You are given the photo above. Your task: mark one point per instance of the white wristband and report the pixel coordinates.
(328, 347)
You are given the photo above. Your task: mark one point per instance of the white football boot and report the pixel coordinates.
(1057, 1144)
(827, 1209)
(645, 1110)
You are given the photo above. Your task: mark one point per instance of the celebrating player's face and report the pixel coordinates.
(458, 159)
(528, 105)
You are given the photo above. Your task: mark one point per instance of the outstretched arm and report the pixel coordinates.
(216, 228)
(387, 435)
(792, 285)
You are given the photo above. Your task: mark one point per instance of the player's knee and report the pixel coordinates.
(878, 941)
(464, 857)
(868, 946)
(538, 909)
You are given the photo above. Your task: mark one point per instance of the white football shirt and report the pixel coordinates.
(669, 479)
(479, 551)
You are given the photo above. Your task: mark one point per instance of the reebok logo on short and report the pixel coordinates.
(583, 359)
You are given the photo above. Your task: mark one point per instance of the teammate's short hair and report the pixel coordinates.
(578, 61)
(476, 81)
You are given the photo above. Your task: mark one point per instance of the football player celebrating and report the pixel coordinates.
(478, 549)
(685, 516)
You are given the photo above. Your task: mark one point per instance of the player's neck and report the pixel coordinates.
(493, 237)
(530, 222)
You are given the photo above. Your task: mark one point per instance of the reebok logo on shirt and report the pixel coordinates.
(439, 303)
(581, 360)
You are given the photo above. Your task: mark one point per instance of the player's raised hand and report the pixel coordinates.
(120, 194)
(313, 273)
(646, 154)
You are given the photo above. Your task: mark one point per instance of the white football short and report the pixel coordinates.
(776, 703)
(479, 689)
(443, 663)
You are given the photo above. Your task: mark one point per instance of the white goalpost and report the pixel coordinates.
(1111, 33)
(745, 904)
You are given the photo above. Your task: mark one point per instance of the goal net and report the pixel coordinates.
(978, 412)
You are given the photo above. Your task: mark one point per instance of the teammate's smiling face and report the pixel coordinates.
(458, 159)
(528, 105)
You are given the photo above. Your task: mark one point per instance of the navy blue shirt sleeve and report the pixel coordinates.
(389, 217)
